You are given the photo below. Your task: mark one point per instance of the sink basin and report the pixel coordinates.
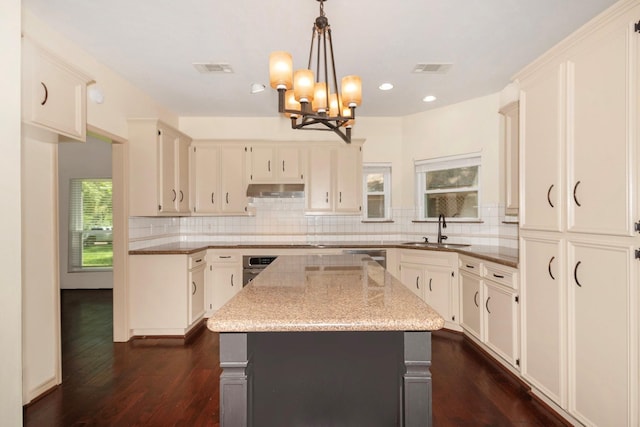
(436, 245)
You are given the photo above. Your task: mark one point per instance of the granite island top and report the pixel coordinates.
(304, 293)
(498, 254)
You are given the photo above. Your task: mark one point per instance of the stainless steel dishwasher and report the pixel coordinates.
(378, 255)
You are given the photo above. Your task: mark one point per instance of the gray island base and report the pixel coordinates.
(325, 341)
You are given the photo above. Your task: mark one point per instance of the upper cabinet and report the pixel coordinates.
(334, 179)
(158, 169)
(218, 185)
(582, 102)
(271, 164)
(54, 94)
(511, 131)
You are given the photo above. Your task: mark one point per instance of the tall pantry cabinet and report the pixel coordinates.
(579, 206)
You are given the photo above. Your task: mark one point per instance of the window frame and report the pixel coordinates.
(385, 170)
(75, 250)
(421, 167)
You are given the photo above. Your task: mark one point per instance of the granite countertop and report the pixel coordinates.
(500, 255)
(325, 293)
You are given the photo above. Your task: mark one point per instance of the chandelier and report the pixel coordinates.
(316, 103)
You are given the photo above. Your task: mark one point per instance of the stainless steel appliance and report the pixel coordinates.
(253, 265)
(378, 255)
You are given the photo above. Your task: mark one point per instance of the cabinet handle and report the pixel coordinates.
(549, 196)
(575, 273)
(470, 266)
(46, 93)
(174, 195)
(430, 279)
(487, 305)
(181, 196)
(198, 260)
(283, 166)
(227, 198)
(269, 165)
(550, 273)
(224, 256)
(475, 298)
(194, 288)
(212, 197)
(326, 200)
(498, 276)
(418, 282)
(575, 197)
(231, 279)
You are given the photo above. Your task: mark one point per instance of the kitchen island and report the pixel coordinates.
(325, 340)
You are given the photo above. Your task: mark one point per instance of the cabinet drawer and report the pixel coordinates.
(196, 260)
(224, 258)
(471, 265)
(500, 274)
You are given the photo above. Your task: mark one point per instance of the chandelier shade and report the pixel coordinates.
(313, 101)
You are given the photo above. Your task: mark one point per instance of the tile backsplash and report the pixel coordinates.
(283, 220)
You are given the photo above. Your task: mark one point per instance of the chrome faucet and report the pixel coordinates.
(442, 223)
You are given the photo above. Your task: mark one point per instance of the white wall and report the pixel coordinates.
(80, 160)
(10, 262)
(466, 127)
(40, 288)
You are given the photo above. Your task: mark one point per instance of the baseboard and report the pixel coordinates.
(41, 391)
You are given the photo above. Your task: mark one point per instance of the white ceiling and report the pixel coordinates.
(153, 44)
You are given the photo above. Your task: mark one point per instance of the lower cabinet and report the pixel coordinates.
(431, 275)
(165, 293)
(490, 307)
(223, 279)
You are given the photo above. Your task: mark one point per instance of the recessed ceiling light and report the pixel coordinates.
(429, 98)
(257, 88)
(385, 86)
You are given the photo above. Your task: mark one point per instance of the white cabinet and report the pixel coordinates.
(224, 278)
(334, 179)
(431, 275)
(158, 169)
(165, 293)
(490, 307)
(218, 185)
(544, 319)
(511, 168)
(276, 164)
(54, 94)
(580, 301)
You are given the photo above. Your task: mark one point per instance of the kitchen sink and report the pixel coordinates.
(436, 245)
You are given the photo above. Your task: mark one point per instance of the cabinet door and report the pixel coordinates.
(290, 164)
(511, 138)
(319, 195)
(543, 321)
(196, 293)
(226, 281)
(471, 300)
(183, 175)
(167, 147)
(501, 324)
(412, 277)
(348, 196)
(603, 93)
(438, 289)
(263, 164)
(205, 172)
(233, 194)
(542, 105)
(601, 333)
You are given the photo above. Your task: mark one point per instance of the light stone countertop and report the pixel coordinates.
(325, 293)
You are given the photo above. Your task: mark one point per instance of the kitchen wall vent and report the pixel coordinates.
(208, 68)
(432, 68)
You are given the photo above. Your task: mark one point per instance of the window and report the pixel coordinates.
(448, 186)
(90, 225)
(377, 191)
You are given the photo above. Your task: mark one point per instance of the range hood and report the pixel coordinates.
(282, 191)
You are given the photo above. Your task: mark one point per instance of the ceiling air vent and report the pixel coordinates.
(208, 68)
(432, 68)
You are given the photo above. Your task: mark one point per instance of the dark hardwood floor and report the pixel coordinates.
(164, 382)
